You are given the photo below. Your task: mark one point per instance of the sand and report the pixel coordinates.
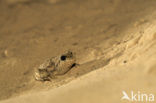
(114, 42)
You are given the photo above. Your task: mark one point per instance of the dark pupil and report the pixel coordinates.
(63, 57)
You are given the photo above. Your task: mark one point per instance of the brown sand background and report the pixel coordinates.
(114, 42)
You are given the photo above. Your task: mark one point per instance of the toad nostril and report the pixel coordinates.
(63, 58)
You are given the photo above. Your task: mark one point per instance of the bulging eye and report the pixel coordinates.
(63, 57)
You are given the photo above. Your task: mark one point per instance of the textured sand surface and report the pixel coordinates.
(114, 42)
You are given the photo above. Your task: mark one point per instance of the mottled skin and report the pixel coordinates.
(55, 66)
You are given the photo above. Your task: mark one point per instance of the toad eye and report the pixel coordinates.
(63, 57)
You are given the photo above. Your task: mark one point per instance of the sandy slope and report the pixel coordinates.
(115, 38)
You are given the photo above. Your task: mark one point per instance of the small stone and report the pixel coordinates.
(124, 61)
(6, 53)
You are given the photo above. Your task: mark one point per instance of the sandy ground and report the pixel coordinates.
(114, 42)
